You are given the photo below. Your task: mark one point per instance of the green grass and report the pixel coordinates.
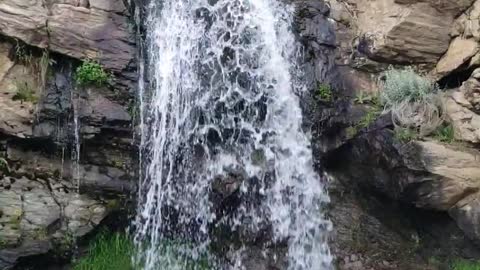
(115, 252)
(91, 73)
(466, 265)
(108, 252)
(445, 134)
(405, 135)
(25, 92)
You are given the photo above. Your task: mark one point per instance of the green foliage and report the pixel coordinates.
(115, 251)
(445, 134)
(91, 73)
(466, 265)
(405, 86)
(405, 135)
(324, 92)
(108, 252)
(414, 101)
(371, 115)
(25, 92)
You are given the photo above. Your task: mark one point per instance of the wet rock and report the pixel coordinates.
(38, 214)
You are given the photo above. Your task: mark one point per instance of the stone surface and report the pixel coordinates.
(100, 31)
(463, 107)
(460, 51)
(34, 212)
(16, 115)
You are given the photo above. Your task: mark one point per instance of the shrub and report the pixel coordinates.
(465, 265)
(24, 92)
(413, 101)
(91, 73)
(324, 92)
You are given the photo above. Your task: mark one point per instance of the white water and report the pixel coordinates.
(223, 97)
(76, 147)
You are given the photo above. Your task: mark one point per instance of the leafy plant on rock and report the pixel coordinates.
(413, 100)
(90, 72)
(324, 92)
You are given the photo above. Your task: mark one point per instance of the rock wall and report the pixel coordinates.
(41, 44)
(438, 39)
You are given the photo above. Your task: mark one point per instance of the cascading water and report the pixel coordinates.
(221, 103)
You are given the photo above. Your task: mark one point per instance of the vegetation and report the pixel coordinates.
(363, 98)
(324, 92)
(107, 252)
(413, 100)
(445, 134)
(25, 92)
(115, 251)
(466, 265)
(91, 73)
(405, 135)
(369, 117)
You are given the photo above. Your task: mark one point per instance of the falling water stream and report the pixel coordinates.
(222, 103)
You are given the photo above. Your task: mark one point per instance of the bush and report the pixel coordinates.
(108, 252)
(91, 73)
(413, 100)
(465, 265)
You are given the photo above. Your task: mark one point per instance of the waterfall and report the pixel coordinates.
(220, 110)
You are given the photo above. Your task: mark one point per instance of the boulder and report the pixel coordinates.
(37, 215)
(459, 52)
(99, 31)
(462, 107)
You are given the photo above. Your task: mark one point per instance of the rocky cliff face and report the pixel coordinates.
(395, 204)
(41, 44)
(367, 161)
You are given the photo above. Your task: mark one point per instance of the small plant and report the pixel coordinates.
(324, 92)
(364, 98)
(413, 100)
(91, 73)
(25, 92)
(22, 54)
(405, 135)
(445, 134)
(370, 117)
(465, 265)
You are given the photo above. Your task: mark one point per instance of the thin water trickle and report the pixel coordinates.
(222, 103)
(76, 142)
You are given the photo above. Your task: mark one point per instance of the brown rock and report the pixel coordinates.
(99, 32)
(460, 51)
